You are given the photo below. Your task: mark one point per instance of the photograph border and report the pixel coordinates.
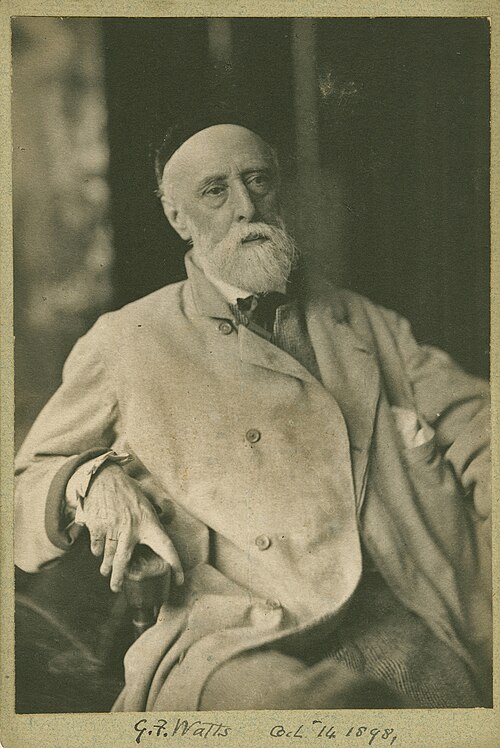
(427, 728)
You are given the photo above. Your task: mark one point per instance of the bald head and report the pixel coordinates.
(207, 147)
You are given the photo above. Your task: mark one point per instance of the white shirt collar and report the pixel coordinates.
(232, 293)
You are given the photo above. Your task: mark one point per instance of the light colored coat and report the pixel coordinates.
(165, 381)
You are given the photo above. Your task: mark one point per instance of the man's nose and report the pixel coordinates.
(244, 207)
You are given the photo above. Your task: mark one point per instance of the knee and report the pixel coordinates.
(254, 680)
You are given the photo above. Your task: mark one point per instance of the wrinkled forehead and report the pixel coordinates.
(218, 150)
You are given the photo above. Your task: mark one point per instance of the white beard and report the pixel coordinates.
(255, 267)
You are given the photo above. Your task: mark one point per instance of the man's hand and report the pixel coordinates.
(118, 516)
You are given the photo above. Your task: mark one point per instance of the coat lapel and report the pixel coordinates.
(350, 373)
(260, 352)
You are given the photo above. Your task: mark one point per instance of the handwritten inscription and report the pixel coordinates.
(345, 734)
(162, 728)
(319, 729)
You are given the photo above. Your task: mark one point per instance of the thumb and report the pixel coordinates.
(157, 539)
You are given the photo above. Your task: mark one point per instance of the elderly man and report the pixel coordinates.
(326, 477)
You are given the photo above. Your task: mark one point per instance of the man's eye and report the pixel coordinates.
(215, 191)
(260, 184)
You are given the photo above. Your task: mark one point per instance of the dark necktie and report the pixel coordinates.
(261, 309)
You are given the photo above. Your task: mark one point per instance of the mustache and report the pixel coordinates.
(242, 233)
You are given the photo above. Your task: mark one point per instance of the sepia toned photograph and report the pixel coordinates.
(251, 313)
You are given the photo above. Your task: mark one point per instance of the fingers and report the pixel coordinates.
(97, 543)
(109, 554)
(157, 539)
(121, 558)
(118, 548)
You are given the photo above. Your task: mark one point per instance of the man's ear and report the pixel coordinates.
(175, 217)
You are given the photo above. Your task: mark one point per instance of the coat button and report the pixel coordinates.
(262, 542)
(273, 604)
(225, 328)
(252, 436)
(267, 616)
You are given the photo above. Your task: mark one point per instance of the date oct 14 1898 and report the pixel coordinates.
(321, 729)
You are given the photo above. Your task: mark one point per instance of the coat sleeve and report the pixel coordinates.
(79, 422)
(457, 407)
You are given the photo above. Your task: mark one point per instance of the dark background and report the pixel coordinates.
(403, 112)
